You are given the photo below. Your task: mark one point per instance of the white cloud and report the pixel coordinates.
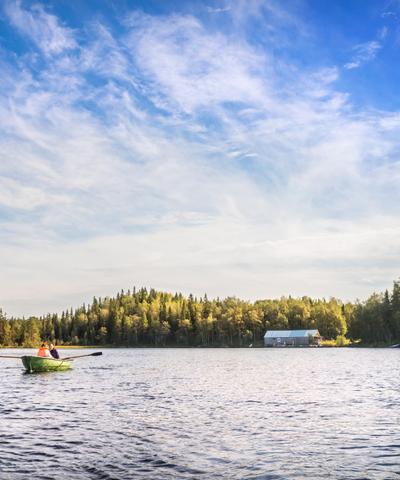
(389, 14)
(382, 34)
(225, 257)
(15, 195)
(189, 164)
(218, 9)
(364, 53)
(192, 68)
(43, 28)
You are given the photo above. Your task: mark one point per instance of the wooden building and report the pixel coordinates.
(292, 338)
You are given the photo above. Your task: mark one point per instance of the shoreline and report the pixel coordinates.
(177, 347)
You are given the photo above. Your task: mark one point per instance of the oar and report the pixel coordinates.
(9, 356)
(95, 354)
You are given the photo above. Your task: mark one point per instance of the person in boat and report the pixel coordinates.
(53, 351)
(43, 351)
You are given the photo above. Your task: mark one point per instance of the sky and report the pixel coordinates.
(238, 147)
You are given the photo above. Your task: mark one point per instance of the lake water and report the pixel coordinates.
(204, 414)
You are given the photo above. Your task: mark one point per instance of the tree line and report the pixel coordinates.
(152, 318)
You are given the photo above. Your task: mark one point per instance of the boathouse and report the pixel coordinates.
(291, 338)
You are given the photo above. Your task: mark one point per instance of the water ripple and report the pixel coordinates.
(199, 414)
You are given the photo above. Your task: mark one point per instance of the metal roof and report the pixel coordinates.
(289, 333)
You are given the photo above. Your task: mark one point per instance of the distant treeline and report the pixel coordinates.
(152, 318)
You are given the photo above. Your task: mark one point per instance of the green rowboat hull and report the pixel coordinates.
(44, 364)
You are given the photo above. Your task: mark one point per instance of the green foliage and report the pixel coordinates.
(152, 318)
(377, 320)
(31, 332)
(329, 318)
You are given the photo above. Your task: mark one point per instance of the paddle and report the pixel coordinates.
(95, 354)
(9, 356)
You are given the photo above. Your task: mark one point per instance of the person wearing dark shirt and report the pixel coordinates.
(53, 351)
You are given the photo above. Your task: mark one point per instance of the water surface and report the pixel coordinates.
(204, 414)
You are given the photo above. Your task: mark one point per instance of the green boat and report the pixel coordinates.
(35, 364)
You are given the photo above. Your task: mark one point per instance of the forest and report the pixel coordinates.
(151, 318)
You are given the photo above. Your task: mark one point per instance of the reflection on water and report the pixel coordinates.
(204, 413)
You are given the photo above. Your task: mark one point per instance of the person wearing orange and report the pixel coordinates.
(43, 351)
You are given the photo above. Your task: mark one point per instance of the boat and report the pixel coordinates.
(35, 364)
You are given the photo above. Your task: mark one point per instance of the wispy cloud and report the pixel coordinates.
(218, 9)
(41, 27)
(389, 14)
(363, 53)
(167, 148)
(382, 34)
(192, 67)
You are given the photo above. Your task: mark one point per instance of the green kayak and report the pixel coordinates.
(44, 364)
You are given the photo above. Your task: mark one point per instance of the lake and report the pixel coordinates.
(204, 413)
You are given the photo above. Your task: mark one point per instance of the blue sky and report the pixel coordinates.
(244, 148)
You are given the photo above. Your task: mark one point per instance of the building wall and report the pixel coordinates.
(287, 341)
